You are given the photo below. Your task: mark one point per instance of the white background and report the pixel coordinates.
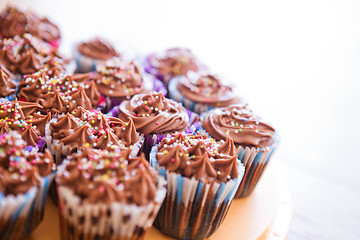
(296, 62)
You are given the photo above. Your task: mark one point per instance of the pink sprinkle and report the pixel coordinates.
(157, 123)
(101, 189)
(173, 160)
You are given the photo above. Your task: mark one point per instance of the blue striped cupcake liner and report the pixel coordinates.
(193, 209)
(16, 214)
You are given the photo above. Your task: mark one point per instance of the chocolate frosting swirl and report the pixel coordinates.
(7, 85)
(21, 170)
(153, 113)
(28, 54)
(119, 79)
(97, 48)
(241, 124)
(125, 131)
(15, 22)
(59, 94)
(84, 128)
(19, 116)
(196, 155)
(100, 176)
(174, 61)
(209, 89)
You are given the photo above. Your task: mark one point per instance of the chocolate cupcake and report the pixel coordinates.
(28, 54)
(119, 80)
(58, 93)
(154, 116)
(202, 92)
(25, 178)
(81, 128)
(107, 195)
(257, 140)
(172, 62)
(26, 119)
(203, 176)
(14, 22)
(92, 53)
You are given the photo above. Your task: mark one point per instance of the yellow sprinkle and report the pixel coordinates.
(6, 118)
(87, 144)
(107, 161)
(9, 123)
(180, 154)
(186, 155)
(165, 152)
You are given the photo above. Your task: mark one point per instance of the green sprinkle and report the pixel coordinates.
(240, 130)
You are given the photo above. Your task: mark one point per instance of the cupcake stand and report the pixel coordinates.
(264, 215)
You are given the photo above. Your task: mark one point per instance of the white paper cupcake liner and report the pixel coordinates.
(15, 214)
(79, 220)
(193, 209)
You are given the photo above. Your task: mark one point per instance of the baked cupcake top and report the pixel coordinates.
(28, 54)
(15, 22)
(20, 170)
(196, 155)
(97, 48)
(243, 126)
(24, 118)
(82, 128)
(153, 113)
(119, 79)
(174, 61)
(208, 89)
(100, 176)
(7, 84)
(59, 93)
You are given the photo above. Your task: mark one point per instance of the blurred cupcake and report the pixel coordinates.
(203, 176)
(58, 93)
(28, 54)
(170, 63)
(15, 22)
(93, 52)
(25, 178)
(81, 128)
(154, 116)
(120, 80)
(107, 195)
(202, 92)
(257, 140)
(26, 119)
(7, 84)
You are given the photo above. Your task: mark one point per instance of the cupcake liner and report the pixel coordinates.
(15, 214)
(79, 220)
(55, 43)
(40, 200)
(255, 161)
(86, 64)
(193, 209)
